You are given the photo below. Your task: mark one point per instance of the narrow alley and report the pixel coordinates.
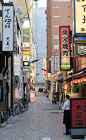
(42, 121)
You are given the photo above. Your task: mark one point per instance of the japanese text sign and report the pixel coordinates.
(8, 28)
(78, 113)
(64, 48)
(32, 96)
(44, 65)
(80, 17)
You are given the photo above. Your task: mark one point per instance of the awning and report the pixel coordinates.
(60, 79)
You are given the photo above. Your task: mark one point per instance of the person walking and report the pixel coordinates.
(66, 118)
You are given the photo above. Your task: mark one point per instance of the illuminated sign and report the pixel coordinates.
(32, 96)
(73, 95)
(78, 113)
(64, 48)
(80, 17)
(44, 65)
(51, 77)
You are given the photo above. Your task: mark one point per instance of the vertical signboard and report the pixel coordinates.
(44, 65)
(78, 116)
(64, 33)
(32, 96)
(80, 17)
(7, 28)
(57, 63)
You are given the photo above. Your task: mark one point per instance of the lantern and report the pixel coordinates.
(78, 80)
(81, 79)
(65, 87)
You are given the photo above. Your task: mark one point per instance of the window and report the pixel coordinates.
(56, 25)
(56, 36)
(56, 46)
(56, 6)
(56, 16)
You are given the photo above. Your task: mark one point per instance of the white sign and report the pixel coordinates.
(80, 16)
(8, 28)
(26, 44)
(19, 10)
(26, 58)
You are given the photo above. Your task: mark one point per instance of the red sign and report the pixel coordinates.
(78, 112)
(80, 63)
(64, 48)
(26, 49)
(32, 96)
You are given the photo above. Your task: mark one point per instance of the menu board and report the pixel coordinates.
(78, 112)
(64, 35)
(32, 96)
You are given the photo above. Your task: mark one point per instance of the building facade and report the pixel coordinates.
(58, 14)
(39, 35)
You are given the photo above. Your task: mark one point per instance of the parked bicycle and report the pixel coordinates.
(20, 106)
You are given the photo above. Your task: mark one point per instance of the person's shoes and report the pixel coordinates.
(66, 133)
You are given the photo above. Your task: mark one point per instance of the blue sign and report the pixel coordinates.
(81, 38)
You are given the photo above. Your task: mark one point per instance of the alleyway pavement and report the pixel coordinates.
(42, 121)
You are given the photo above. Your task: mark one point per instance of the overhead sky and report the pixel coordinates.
(41, 3)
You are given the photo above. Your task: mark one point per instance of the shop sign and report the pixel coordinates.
(80, 17)
(73, 95)
(32, 96)
(57, 64)
(26, 58)
(78, 113)
(26, 49)
(7, 28)
(51, 77)
(25, 63)
(64, 48)
(80, 50)
(26, 53)
(44, 65)
(80, 63)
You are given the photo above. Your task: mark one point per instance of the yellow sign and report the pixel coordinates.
(50, 95)
(80, 16)
(51, 77)
(26, 53)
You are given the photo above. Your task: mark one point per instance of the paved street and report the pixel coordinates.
(42, 121)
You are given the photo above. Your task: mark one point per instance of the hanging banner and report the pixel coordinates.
(7, 28)
(44, 65)
(80, 17)
(64, 47)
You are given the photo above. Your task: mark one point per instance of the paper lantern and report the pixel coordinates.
(78, 80)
